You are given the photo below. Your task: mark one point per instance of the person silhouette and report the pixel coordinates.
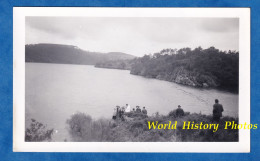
(179, 111)
(217, 111)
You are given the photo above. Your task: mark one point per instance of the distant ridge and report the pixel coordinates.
(69, 54)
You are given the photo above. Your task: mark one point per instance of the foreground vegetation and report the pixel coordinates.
(38, 132)
(135, 129)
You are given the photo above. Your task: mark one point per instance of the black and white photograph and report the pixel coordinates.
(133, 78)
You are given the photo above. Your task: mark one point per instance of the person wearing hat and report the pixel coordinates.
(138, 110)
(179, 111)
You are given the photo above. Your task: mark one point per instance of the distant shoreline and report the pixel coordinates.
(196, 87)
(60, 63)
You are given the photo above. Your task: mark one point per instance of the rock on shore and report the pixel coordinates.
(184, 77)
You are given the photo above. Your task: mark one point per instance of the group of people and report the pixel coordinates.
(119, 112)
(217, 111)
(138, 110)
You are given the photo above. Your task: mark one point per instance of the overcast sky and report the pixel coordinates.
(136, 36)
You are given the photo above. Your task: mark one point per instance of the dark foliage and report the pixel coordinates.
(38, 132)
(83, 128)
(135, 115)
(115, 64)
(199, 67)
(174, 115)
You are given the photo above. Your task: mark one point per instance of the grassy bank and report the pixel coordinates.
(135, 129)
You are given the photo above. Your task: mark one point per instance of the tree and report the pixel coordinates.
(38, 132)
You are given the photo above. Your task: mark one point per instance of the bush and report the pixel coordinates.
(79, 127)
(202, 67)
(83, 128)
(203, 135)
(38, 132)
(137, 115)
(173, 113)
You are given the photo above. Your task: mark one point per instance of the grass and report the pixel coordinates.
(135, 129)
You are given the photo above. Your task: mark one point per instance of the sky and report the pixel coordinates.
(136, 36)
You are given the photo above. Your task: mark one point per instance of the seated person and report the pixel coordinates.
(127, 108)
(123, 109)
(144, 111)
(138, 110)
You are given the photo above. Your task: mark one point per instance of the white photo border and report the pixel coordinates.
(19, 144)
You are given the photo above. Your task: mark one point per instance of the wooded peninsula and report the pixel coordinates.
(207, 68)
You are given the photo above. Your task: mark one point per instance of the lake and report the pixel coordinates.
(53, 92)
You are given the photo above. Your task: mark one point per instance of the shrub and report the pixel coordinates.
(83, 128)
(100, 129)
(79, 127)
(173, 113)
(38, 132)
(133, 114)
(221, 135)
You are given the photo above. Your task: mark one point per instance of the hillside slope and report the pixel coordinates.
(68, 54)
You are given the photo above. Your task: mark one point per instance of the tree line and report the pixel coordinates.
(211, 67)
(199, 67)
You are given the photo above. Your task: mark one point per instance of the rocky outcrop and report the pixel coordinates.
(179, 75)
(185, 77)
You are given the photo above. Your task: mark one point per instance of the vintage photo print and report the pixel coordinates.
(132, 79)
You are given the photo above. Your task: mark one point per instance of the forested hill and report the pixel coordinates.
(68, 54)
(199, 67)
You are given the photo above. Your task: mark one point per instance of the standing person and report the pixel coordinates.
(122, 110)
(179, 111)
(114, 114)
(144, 111)
(127, 108)
(118, 112)
(217, 111)
(122, 113)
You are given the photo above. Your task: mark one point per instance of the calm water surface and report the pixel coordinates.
(55, 91)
